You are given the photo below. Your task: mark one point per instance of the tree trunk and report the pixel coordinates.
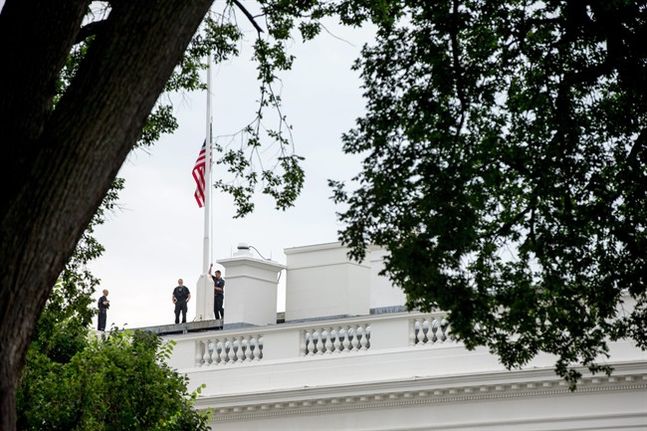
(60, 162)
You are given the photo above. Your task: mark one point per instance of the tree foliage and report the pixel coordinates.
(75, 381)
(504, 145)
(505, 171)
(219, 37)
(120, 383)
(505, 166)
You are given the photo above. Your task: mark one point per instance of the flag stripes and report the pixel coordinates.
(198, 175)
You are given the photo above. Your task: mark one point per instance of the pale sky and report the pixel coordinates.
(156, 236)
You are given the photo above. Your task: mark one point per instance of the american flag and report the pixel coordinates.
(198, 175)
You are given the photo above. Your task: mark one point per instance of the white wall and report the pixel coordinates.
(383, 293)
(250, 290)
(321, 282)
(402, 380)
(604, 410)
(398, 384)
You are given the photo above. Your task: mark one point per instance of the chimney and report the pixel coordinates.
(323, 282)
(250, 288)
(384, 295)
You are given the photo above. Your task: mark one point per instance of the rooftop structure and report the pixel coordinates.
(349, 357)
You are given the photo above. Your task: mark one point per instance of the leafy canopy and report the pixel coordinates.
(119, 383)
(505, 171)
(505, 161)
(219, 36)
(505, 164)
(73, 381)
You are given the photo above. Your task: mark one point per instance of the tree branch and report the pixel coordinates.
(456, 65)
(76, 149)
(89, 30)
(33, 63)
(504, 229)
(248, 15)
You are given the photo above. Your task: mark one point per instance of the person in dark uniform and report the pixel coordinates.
(218, 293)
(181, 296)
(103, 304)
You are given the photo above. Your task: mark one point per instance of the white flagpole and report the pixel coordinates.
(204, 301)
(207, 176)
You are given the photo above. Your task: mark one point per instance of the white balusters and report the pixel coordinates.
(228, 350)
(425, 330)
(345, 341)
(325, 335)
(199, 350)
(206, 356)
(349, 338)
(220, 348)
(316, 336)
(354, 343)
(420, 333)
(238, 346)
(260, 347)
(336, 344)
(253, 348)
(246, 350)
(310, 344)
(231, 355)
(444, 327)
(213, 352)
(435, 325)
(361, 338)
(429, 330)
(224, 357)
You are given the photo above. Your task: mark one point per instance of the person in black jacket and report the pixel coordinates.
(103, 304)
(181, 296)
(218, 293)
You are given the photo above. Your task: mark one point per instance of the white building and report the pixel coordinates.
(348, 357)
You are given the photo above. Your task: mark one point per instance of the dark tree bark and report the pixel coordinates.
(59, 163)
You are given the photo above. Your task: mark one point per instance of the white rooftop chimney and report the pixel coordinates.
(322, 281)
(383, 293)
(250, 288)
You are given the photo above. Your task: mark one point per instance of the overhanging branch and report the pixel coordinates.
(249, 16)
(89, 30)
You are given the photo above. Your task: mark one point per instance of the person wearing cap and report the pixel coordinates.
(181, 297)
(218, 293)
(103, 304)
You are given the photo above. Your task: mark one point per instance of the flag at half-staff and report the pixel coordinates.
(199, 174)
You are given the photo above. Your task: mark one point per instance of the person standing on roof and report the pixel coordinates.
(181, 297)
(103, 304)
(218, 293)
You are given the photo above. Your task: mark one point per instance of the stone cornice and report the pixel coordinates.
(251, 261)
(418, 391)
(293, 268)
(313, 247)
